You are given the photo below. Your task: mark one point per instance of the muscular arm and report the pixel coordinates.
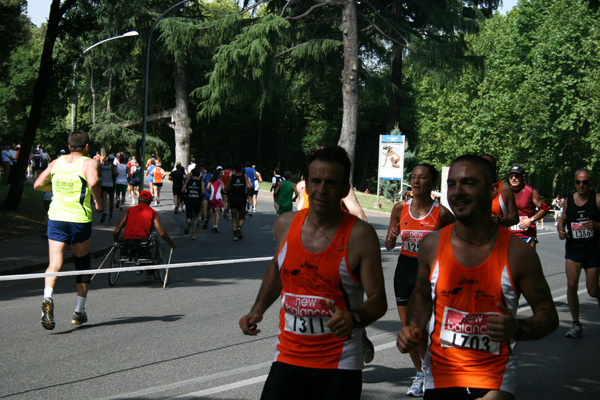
(364, 257)
(271, 286)
(91, 175)
(394, 226)
(364, 240)
(120, 226)
(351, 203)
(537, 200)
(529, 278)
(513, 213)
(163, 234)
(44, 182)
(560, 226)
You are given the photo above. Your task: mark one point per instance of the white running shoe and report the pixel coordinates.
(576, 331)
(416, 389)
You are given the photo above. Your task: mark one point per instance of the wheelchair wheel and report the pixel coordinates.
(114, 263)
(158, 257)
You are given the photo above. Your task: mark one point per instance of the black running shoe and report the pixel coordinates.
(368, 348)
(79, 318)
(103, 218)
(48, 314)
(239, 233)
(187, 228)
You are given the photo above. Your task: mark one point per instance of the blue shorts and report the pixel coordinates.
(69, 232)
(587, 260)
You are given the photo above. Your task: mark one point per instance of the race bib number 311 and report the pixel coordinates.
(306, 315)
(462, 329)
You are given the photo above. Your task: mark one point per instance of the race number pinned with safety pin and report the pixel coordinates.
(580, 231)
(462, 329)
(411, 240)
(306, 315)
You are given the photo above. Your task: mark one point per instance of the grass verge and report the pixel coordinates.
(27, 220)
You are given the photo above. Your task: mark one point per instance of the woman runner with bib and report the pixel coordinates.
(411, 221)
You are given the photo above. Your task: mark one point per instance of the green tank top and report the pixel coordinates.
(286, 192)
(71, 195)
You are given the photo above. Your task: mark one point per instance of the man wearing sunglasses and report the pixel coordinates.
(530, 206)
(579, 224)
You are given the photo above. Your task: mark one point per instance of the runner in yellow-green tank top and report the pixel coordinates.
(71, 196)
(71, 178)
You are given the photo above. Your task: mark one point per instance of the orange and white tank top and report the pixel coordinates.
(309, 280)
(413, 230)
(158, 174)
(302, 201)
(499, 207)
(460, 352)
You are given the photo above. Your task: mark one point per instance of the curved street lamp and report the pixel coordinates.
(74, 99)
(146, 71)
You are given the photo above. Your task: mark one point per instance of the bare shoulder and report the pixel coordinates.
(428, 247)
(446, 216)
(282, 225)
(362, 230)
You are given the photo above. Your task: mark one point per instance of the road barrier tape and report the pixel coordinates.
(109, 270)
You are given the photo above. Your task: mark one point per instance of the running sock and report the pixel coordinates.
(48, 292)
(80, 308)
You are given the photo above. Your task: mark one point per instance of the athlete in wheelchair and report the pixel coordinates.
(139, 245)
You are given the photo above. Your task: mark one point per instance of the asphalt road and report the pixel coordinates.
(143, 342)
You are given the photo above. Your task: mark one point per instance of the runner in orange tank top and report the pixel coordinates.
(504, 208)
(469, 281)
(326, 262)
(411, 221)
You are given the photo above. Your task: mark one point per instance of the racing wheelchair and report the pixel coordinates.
(137, 252)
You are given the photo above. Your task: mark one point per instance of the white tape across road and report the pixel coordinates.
(108, 270)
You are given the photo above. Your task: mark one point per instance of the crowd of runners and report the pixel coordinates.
(327, 269)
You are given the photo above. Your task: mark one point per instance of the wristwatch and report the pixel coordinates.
(355, 317)
(532, 220)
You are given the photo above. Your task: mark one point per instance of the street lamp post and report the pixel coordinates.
(74, 99)
(146, 71)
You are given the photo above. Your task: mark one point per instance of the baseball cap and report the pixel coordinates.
(219, 167)
(146, 195)
(111, 156)
(62, 151)
(516, 169)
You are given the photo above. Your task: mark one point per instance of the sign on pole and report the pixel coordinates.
(391, 159)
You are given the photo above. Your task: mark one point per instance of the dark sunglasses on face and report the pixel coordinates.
(583, 182)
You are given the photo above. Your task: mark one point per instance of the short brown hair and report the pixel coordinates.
(78, 140)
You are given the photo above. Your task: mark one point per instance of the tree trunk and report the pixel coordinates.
(349, 80)
(181, 121)
(93, 89)
(108, 106)
(13, 199)
(394, 108)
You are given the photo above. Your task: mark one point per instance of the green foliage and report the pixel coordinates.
(533, 104)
